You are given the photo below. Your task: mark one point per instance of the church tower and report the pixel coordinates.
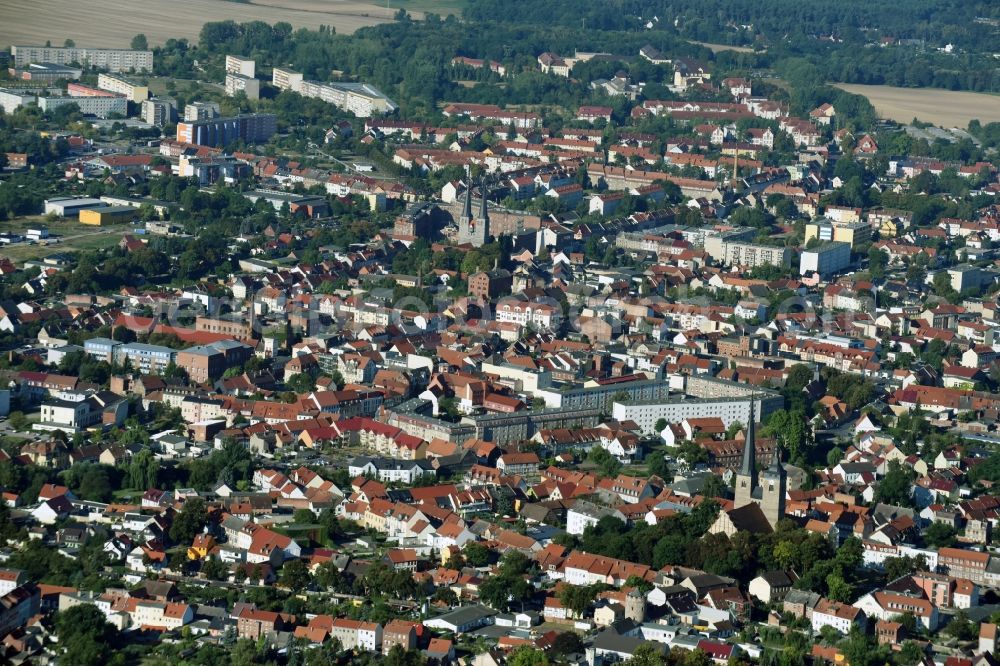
(746, 479)
(774, 483)
(467, 206)
(482, 222)
(475, 230)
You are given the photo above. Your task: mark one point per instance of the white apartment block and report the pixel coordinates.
(236, 83)
(113, 60)
(242, 66)
(538, 315)
(751, 255)
(11, 100)
(677, 409)
(102, 107)
(361, 99)
(135, 92)
(286, 79)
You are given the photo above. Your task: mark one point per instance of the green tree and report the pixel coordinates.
(647, 654)
(295, 575)
(85, 636)
(939, 535)
(140, 43)
(895, 487)
(525, 655)
(961, 627)
(303, 517)
(567, 643)
(214, 569)
(577, 598)
(331, 524)
(476, 554)
(142, 470)
(189, 522)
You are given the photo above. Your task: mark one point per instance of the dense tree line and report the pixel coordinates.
(684, 540)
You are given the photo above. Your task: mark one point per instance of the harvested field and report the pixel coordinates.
(946, 108)
(107, 23)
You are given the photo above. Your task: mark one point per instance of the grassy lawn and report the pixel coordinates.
(97, 239)
(71, 234)
(158, 86)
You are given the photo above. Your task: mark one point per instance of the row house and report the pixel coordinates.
(356, 634)
(585, 569)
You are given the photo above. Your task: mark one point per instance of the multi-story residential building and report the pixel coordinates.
(237, 83)
(252, 623)
(853, 232)
(286, 79)
(205, 363)
(120, 85)
(357, 635)
(201, 111)
(581, 568)
(218, 132)
(17, 607)
(162, 615)
(102, 107)
(488, 286)
(361, 99)
(113, 60)
(834, 614)
(242, 66)
(890, 605)
(680, 407)
(103, 349)
(158, 112)
(10, 579)
(525, 313)
(356, 369)
(236, 326)
(11, 100)
(72, 411)
(389, 470)
(519, 464)
(825, 259)
(972, 565)
(585, 514)
(731, 249)
(401, 633)
(149, 359)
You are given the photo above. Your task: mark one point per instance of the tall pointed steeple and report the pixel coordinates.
(746, 479)
(749, 466)
(467, 209)
(484, 194)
